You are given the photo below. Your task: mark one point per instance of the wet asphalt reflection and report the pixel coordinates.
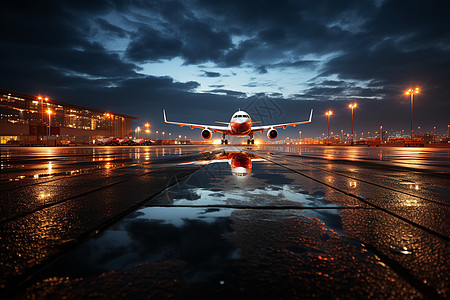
(249, 224)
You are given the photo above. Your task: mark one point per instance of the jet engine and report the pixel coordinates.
(272, 134)
(206, 134)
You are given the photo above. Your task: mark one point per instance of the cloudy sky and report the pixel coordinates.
(202, 60)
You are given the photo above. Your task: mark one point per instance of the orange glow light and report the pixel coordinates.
(412, 91)
(49, 111)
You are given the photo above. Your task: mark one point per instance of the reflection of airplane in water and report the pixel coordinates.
(240, 162)
(240, 125)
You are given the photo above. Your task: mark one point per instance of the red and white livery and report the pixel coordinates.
(240, 125)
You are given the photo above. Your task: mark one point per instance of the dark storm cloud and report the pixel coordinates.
(150, 45)
(106, 64)
(182, 35)
(40, 24)
(418, 24)
(333, 83)
(403, 44)
(111, 29)
(261, 69)
(272, 28)
(151, 83)
(293, 26)
(210, 74)
(46, 46)
(202, 43)
(310, 64)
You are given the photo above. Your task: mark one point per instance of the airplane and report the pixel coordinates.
(240, 125)
(240, 162)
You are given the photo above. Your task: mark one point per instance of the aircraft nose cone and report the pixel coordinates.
(241, 128)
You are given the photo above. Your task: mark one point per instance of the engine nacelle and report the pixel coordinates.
(206, 134)
(272, 134)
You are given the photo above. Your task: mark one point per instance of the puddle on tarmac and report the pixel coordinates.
(51, 174)
(239, 178)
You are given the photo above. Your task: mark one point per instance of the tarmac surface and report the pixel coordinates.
(193, 222)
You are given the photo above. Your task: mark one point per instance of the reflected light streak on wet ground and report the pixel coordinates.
(428, 158)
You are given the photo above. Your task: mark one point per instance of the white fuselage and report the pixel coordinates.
(240, 124)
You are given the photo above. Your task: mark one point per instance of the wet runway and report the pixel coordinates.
(224, 221)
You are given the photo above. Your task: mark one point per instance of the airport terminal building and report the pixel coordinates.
(28, 119)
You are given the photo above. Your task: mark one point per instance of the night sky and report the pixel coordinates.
(202, 60)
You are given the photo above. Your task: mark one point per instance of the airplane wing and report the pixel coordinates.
(267, 127)
(221, 129)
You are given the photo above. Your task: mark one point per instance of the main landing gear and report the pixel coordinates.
(224, 140)
(250, 141)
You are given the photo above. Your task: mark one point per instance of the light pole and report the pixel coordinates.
(147, 125)
(42, 113)
(411, 93)
(381, 134)
(352, 106)
(328, 114)
(109, 123)
(300, 134)
(49, 112)
(137, 131)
